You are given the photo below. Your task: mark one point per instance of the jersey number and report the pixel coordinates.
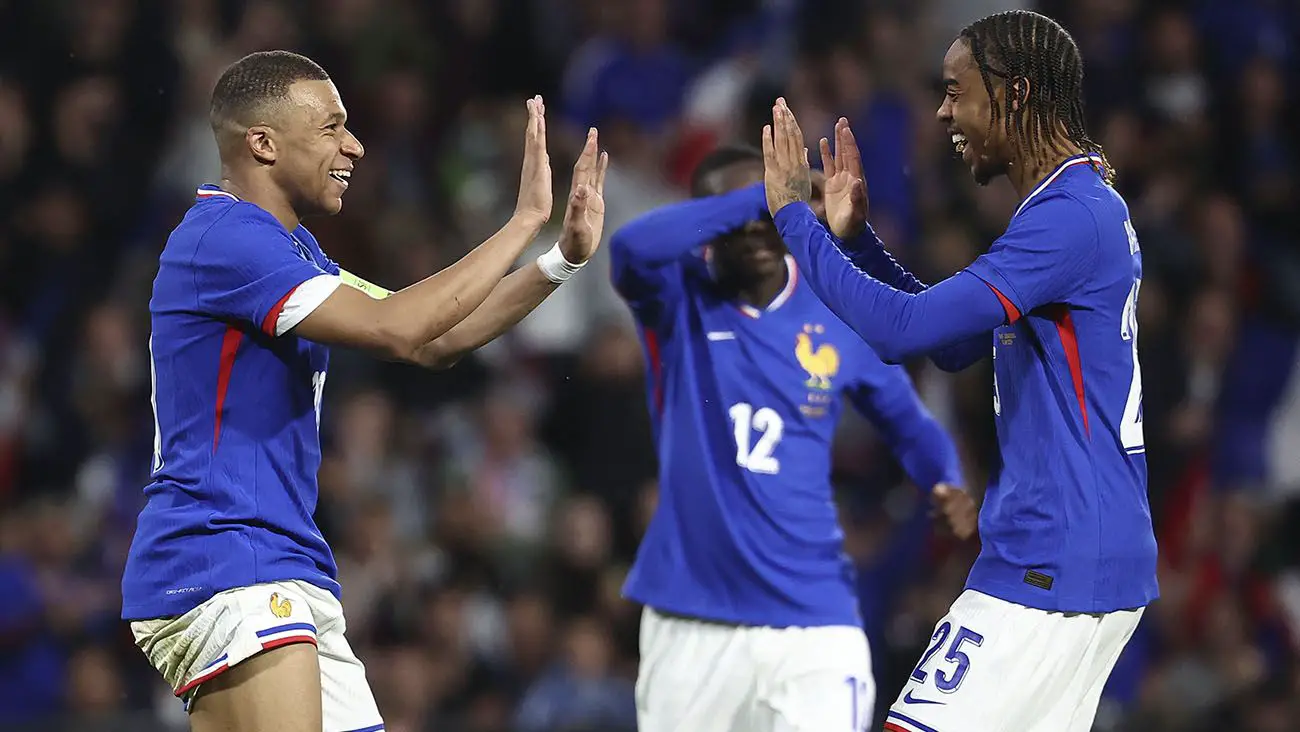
(744, 422)
(1130, 425)
(153, 404)
(318, 391)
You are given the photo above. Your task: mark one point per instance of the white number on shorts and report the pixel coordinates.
(766, 421)
(858, 692)
(943, 681)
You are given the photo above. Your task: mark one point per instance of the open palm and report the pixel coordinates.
(846, 188)
(584, 217)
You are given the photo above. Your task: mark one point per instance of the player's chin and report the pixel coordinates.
(330, 203)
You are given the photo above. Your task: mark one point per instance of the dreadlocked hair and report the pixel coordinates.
(1023, 45)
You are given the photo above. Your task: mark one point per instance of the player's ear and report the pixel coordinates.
(1017, 93)
(261, 143)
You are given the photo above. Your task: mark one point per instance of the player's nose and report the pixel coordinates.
(353, 148)
(944, 112)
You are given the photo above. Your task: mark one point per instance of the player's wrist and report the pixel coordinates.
(556, 267)
(531, 222)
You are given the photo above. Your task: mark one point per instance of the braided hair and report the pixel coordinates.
(1024, 45)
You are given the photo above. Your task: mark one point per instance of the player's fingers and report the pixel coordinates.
(586, 163)
(787, 144)
(578, 202)
(769, 148)
(858, 192)
(828, 161)
(601, 167)
(848, 150)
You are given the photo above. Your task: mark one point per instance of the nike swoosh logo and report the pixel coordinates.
(909, 699)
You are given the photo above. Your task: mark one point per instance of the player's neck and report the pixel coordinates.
(262, 194)
(1026, 175)
(760, 294)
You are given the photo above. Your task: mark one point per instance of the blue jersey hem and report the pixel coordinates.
(184, 603)
(770, 619)
(1006, 581)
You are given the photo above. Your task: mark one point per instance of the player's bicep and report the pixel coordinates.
(346, 316)
(1043, 258)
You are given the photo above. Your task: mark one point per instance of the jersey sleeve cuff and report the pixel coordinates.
(1001, 288)
(299, 303)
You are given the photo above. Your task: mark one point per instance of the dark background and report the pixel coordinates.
(484, 518)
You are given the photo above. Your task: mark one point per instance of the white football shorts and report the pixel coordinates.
(995, 666)
(711, 677)
(235, 625)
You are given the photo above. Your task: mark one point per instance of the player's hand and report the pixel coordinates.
(956, 509)
(584, 217)
(786, 177)
(846, 187)
(535, 195)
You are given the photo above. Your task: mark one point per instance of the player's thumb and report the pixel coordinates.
(942, 491)
(579, 198)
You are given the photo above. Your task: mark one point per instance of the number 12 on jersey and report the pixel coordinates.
(745, 421)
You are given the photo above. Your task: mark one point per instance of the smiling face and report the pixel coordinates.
(315, 152)
(967, 112)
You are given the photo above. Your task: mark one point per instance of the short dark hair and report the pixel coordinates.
(1021, 44)
(255, 80)
(721, 157)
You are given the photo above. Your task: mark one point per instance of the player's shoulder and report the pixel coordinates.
(217, 216)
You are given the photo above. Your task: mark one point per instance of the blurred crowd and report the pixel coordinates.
(483, 518)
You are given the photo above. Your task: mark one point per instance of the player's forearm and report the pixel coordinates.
(869, 254)
(896, 324)
(433, 306)
(510, 302)
(926, 452)
(668, 233)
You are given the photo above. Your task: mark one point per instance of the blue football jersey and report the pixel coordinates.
(744, 404)
(1066, 523)
(237, 411)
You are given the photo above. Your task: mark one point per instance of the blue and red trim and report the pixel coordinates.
(283, 635)
(273, 315)
(1013, 312)
(1070, 344)
(896, 722)
(229, 349)
(209, 672)
(656, 363)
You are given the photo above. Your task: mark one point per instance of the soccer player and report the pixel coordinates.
(230, 587)
(750, 621)
(1068, 558)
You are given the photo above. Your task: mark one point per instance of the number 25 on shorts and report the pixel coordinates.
(947, 680)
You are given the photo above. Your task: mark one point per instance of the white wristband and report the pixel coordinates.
(556, 268)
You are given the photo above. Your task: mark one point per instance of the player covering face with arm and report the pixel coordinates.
(1068, 553)
(743, 559)
(230, 588)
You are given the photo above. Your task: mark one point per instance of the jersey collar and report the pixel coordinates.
(1065, 165)
(792, 278)
(208, 192)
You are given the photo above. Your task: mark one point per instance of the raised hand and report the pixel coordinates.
(955, 509)
(786, 176)
(845, 191)
(535, 195)
(584, 217)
